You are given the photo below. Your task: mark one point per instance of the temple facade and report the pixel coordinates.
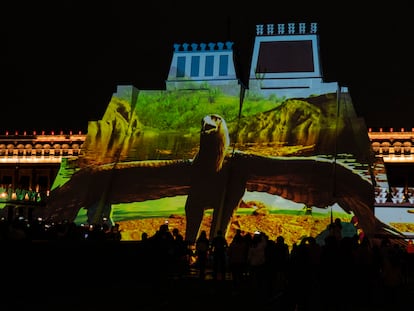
(298, 135)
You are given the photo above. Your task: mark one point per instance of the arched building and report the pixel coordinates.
(29, 163)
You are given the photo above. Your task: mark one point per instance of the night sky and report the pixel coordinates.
(61, 61)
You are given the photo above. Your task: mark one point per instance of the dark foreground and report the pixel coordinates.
(116, 276)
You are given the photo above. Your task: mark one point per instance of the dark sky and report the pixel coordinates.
(60, 61)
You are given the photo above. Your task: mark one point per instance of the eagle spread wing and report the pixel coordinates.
(216, 179)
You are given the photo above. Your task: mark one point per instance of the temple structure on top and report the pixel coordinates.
(286, 60)
(195, 64)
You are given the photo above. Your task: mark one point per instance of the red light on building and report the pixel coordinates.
(410, 247)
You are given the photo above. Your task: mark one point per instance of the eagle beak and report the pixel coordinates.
(208, 125)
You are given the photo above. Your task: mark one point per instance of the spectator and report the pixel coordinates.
(219, 253)
(202, 252)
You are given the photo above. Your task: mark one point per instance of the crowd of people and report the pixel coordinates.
(303, 275)
(20, 229)
(305, 272)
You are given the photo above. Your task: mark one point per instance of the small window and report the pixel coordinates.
(209, 68)
(24, 182)
(180, 67)
(43, 182)
(224, 64)
(195, 66)
(7, 180)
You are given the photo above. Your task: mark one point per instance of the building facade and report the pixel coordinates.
(29, 163)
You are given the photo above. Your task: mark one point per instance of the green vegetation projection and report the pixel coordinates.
(183, 110)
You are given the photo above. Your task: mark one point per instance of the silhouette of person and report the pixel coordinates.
(237, 259)
(202, 252)
(219, 247)
(162, 246)
(180, 253)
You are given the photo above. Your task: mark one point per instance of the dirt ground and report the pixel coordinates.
(292, 227)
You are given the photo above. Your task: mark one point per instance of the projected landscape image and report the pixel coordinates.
(284, 156)
(276, 175)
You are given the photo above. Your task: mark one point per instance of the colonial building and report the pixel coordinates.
(29, 163)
